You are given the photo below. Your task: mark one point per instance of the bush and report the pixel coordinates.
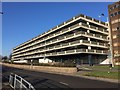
(49, 64)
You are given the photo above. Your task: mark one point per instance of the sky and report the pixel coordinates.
(22, 21)
(0, 29)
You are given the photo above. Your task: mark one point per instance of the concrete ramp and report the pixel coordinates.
(106, 61)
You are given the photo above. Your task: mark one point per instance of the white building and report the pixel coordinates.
(82, 39)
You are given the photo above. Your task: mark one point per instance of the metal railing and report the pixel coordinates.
(18, 83)
(52, 35)
(68, 44)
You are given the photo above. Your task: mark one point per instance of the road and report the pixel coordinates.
(51, 81)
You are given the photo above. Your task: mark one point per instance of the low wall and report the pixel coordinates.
(44, 68)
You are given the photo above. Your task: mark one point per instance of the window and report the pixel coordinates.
(118, 6)
(118, 36)
(111, 15)
(114, 29)
(114, 6)
(115, 52)
(110, 9)
(115, 21)
(118, 28)
(115, 13)
(114, 36)
(115, 44)
(118, 12)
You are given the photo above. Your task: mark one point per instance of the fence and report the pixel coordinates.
(18, 83)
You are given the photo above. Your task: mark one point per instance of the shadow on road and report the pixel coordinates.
(37, 82)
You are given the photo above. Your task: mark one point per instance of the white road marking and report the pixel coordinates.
(63, 83)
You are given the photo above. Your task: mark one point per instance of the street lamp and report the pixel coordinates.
(1, 6)
(111, 49)
(45, 49)
(31, 64)
(1, 12)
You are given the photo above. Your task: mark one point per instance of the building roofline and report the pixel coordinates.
(53, 28)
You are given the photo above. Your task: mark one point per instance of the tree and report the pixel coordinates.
(10, 56)
(5, 58)
(0, 58)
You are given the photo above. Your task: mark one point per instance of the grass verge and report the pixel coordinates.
(111, 75)
(106, 67)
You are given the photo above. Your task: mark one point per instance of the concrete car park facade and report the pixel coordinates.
(82, 39)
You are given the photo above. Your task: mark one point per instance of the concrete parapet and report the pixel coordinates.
(44, 68)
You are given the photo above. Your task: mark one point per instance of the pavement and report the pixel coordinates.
(6, 87)
(60, 81)
(5, 83)
(80, 74)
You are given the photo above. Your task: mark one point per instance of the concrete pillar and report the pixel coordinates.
(31, 63)
(87, 23)
(88, 39)
(61, 60)
(81, 61)
(89, 47)
(88, 31)
(78, 60)
(90, 60)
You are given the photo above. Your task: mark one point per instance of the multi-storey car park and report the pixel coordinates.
(81, 39)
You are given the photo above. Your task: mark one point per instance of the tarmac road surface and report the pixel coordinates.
(52, 81)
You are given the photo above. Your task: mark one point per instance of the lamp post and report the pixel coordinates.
(111, 49)
(45, 51)
(31, 64)
(1, 7)
(1, 12)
